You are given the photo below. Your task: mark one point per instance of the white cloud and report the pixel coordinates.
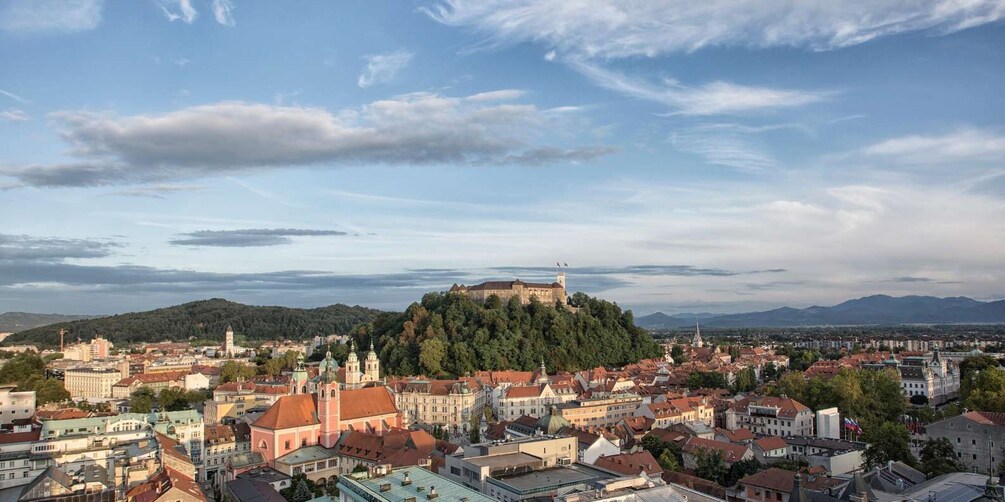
(382, 68)
(176, 10)
(227, 137)
(708, 99)
(603, 29)
(966, 144)
(223, 11)
(13, 115)
(13, 96)
(181, 61)
(723, 148)
(49, 16)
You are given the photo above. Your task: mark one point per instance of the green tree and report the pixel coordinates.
(746, 380)
(50, 390)
(938, 457)
(677, 354)
(233, 371)
(710, 466)
(889, 441)
(770, 371)
(706, 380)
(742, 469)
(302, 492)
(984, 390)
(474, 434)
(668, 461)
(142, 400)
(431, 356)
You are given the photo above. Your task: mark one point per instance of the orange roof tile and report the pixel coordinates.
(290, 411)
(365, 402)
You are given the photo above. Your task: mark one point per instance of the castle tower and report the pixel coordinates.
(697, 341)
(228, 342)
(298, 382)
(561, 279)
(352, 373)
(372, 365)
(329, 403)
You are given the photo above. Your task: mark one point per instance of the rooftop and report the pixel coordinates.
(390, 487)
(549, 479)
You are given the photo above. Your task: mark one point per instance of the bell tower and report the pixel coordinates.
(372, 365)
(352, 373)
(298, 382)
(329, 403)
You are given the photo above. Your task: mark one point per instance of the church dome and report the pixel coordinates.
(552, 422)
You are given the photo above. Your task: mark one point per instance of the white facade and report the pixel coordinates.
(15, 405)
(829, 424)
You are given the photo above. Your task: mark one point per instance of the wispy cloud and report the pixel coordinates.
(966, 144)
(14, 116)
(609, 30)
(13, 96)
(181, 61)
(229, 137)
(253, 237)
(382, 68)
(49, 16)
(158, 191)
(223, 11)
(175, 10)
(47, 249)
(712, 98)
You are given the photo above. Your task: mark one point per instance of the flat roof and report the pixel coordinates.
(952, 487)
(313, 453)
(361, 488)
(549, 479)
(515, 459)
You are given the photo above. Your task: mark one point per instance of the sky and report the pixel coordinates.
(675, 156)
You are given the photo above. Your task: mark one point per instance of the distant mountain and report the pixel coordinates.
(206, 319)
(879, 310)
(12, 322)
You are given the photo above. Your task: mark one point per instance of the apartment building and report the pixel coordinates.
(771, 416)
(448, 403)
(15, 405)
(91, 383)
(976, 436)
(600, 412)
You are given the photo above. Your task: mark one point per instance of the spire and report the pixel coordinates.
(696, 341)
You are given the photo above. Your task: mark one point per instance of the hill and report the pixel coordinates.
(12, 322)
(449, 334)
(876, 310)
(206, 319)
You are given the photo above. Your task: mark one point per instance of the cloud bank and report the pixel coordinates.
(229, 137)
(249, 237)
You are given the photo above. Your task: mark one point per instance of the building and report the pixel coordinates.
(370, 374)
(778, 485)
(534, 400)
(977, 437)
(835, 456)
(771, 416)
(156, 382)
(234, 399)
(731, 453)
(829, 424)
(15, 406)
(553, 293)
(629, 464)
(494, 459)
(397, 448)
(305, 418)
(447, 403)
(601, 411)
(937, 379)
(91, 383)
(383, 484)
(229, 349)
(677, 411)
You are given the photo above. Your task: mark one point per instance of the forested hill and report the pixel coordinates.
(12, 322)
(449, 334)
(205, 320)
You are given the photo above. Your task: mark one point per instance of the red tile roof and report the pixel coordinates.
(771, 443)
(630, 463)
(365, 402)
(290, 411)
(986, 417)
(19, 437)
(730, 452)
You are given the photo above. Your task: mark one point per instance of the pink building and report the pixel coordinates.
(317, 411)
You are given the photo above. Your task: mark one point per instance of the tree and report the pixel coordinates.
(172, 399)
(474, 434)
(919, 400)
(938, 457)
(770, 371)
(233, 371)
(974, 364)
(742, 469)
(984, 390)
(668, 461)
(706, 380)
(710, 466)
(889, 441)
(746, 380)
(50, 390)
(677, 354)
(489, 415)
(302, 492)
(431, 354)
(142, 400)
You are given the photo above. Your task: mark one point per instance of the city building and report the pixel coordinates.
(483, 461)
(91, 383)
(779, 485)
(534, 400)
(382, 484)
(223, 442)
(545, 293)
(370, 373)
(447, 403)
(772, 416)
(835, 456)
(829, 423)
(397, 448)
(676, 411)
(305, 418)
(937, 379)
(15, 406)
(600, 412)
(977, 437)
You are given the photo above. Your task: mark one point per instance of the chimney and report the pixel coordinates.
(432, 493)
(407, 481)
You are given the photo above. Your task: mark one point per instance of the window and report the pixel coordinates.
(287, 444)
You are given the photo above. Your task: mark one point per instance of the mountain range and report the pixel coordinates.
(12, 322)
(876, 310)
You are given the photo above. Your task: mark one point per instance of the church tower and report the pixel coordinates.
(542, 376)
(228, 342)
(372, 365)
(697, 341)
(352, 373)
(329, 402)
(298, 382)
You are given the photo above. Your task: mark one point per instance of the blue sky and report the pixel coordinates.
(720, 157)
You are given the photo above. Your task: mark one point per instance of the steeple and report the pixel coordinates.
(352, 373)
(328, 402)
(542, 376)
(697, 341)
(298, 381)
(372, 366)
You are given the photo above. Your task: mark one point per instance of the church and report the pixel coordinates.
(317, 410)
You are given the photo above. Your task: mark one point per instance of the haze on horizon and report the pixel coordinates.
(154, 153)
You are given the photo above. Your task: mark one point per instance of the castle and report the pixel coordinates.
(545, 293)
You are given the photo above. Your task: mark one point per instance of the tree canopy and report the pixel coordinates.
(27, 371)
(450, 334)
